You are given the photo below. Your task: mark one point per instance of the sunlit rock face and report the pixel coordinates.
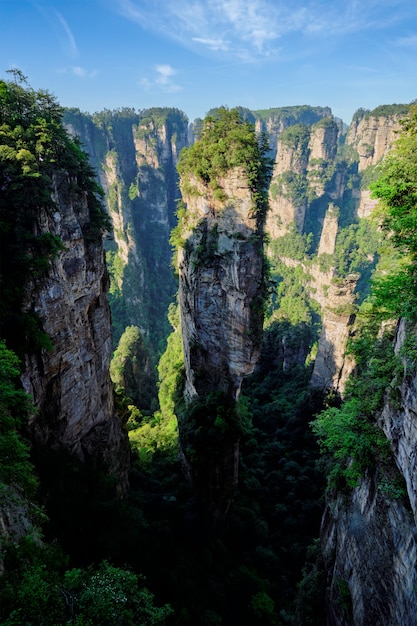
(373, 137)
(221, 283)
(70, 384)
(135, 155)
(301, 161)
(332, 366)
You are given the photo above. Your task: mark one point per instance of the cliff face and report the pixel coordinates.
(221, 290)
(370, 556)
(373, 137)
(135, 155)
(398, 421)
(320, 185)
(368, 537)
(332, 367)
(70, 384)
(220, 279)
(304, 156)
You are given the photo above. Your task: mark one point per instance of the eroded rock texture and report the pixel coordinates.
(70, 384)
(370, 556)
(369, 536)
(221, 287)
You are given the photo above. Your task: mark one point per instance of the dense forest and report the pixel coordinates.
(90, 551)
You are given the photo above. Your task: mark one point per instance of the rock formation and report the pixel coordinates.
(220, 281)
(70, 384)
(221, 271)
(320, 185)
(135, 155)
(369, 536)
(332, 366)
(221, 291)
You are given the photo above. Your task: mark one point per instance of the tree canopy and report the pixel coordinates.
(33, 145)
(227, 141)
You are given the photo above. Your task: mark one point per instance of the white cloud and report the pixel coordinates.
(212, 44)
(407, 42)
(77, 70)
(252, 28)
(162, 80)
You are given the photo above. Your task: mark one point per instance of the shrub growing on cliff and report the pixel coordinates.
(33, 146)
(349, 432)
(227, 141)
(396, 189)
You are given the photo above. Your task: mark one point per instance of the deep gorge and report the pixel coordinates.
(227, 516)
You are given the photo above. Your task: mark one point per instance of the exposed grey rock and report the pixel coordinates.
(70, 384)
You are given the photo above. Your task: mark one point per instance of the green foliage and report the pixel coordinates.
(96, 595)
(15, 408)
(290, 300)
(386, 110)
(396, 189)
(303, 114)
(227, 141)
(349, 432)
(293, 186)
(207, 426)
(297, 137)
(293, 245)
(356, 250)
(130, 369)
(369, 176)
(33, 147)
(109, 595)
(159, 433)
(310, 609)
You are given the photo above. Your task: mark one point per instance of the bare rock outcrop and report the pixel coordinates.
(373, 137)
(370, 555)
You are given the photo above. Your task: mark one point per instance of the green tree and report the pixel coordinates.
(33, 147)
(396, 189)
(130, 368)
(15, 407)
(227, 141)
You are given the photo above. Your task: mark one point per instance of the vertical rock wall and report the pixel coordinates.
(135, 155)
(70, 384)
(221, 292)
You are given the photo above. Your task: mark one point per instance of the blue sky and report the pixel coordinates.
(195, 54)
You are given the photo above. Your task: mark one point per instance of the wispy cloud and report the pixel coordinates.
(162, 80)
(212, 44)
(254, 28)
(77, 70)
(407, 42)
(59, 26)
(69, 43)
